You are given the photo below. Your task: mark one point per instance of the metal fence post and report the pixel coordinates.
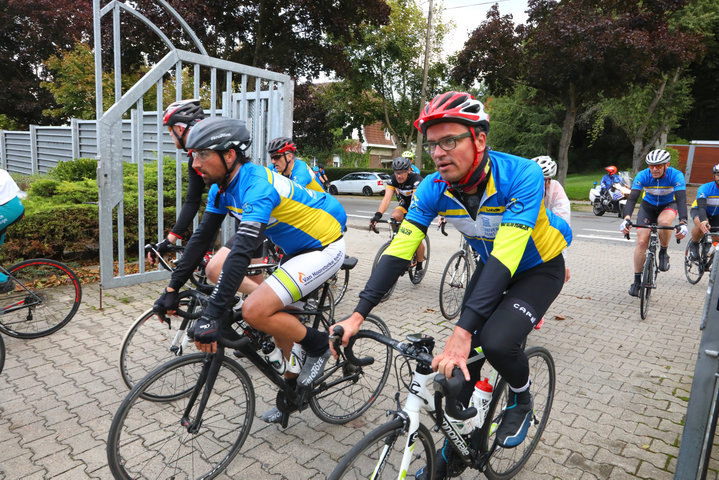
(33, 149)
(3, 156)
(74, 138)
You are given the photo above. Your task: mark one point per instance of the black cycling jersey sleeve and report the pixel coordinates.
(249, 236)
(196, 247)
(632, 201)
(486, 294)
(681, 197)
(702, 209)
(193, 197)
(385, 274)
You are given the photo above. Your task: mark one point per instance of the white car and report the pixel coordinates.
(366, 183)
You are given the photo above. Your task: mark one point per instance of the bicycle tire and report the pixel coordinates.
(505, 463)
(357, 388)
(147, 439)
(148, 342)
(645, 290)
(2, 353)
(425, 264)
(58, 290)
(339, 283)
(381, 250)
(361, 461)
(693, 269)
(454, 282)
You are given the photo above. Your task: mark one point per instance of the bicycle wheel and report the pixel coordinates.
(454, 281)
(148, 440)
(46, 296)
(374, 264)
(425, 264)
(379, 454)
(649, 275)
(693, 269)
(150, 342)
(350, 390)
(339, 283)
(505, 463)
(2, 353)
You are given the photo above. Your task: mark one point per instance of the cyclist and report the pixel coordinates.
(307, 225)
(179, 117)
(321, 175)
(409, 154)
(705, 212)
(496, 201)
(555, 198)
(282, 154)
(403, 183)
(11, 211)
(664, 197)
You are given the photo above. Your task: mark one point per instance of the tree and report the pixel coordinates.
(574, 51)
(385, 80)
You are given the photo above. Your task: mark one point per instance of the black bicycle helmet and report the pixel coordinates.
(401, 163)
(281, 145)
(186, 112)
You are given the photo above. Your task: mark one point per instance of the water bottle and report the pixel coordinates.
(273, 356)
(297, 359)
(481, 398)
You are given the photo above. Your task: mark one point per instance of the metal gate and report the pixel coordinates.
(262, 98)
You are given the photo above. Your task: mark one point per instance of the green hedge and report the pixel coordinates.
(61, 212)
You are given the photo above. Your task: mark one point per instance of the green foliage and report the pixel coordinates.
(674, 162)
(77, 169)
(44, 188)
(523, 126)
(577, 186)
(7, 123)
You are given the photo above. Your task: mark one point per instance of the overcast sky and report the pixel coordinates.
(468, 14)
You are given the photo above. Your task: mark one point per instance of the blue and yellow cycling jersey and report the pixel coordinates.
(710, 191)
(303, 174)
(659, 191)
(297, 219)
(511, 215)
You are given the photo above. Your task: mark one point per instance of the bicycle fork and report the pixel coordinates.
(205, 382)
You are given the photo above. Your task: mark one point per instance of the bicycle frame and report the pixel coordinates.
(22, 303)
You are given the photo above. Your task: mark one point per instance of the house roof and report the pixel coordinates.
(374, 135)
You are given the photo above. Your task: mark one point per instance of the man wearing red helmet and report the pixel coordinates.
(610, 178)
(496, 201)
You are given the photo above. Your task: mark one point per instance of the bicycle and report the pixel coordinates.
(191, 415)
(650, 270)
(694, 268)
(43, 298)
(455, 279)
(404, 445)
(412, 267)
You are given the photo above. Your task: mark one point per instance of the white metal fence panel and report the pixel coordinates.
(18, 157)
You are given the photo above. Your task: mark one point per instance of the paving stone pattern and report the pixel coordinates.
(621, 394)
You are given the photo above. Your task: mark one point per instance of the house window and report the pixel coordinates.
(386, 135)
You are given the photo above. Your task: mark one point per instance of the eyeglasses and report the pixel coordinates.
(446, 144)
(202, 154)
(277, 157)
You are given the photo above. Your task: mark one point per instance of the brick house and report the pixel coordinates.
(379, 143)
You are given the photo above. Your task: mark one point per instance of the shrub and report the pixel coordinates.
(44, 188)
(75, 170)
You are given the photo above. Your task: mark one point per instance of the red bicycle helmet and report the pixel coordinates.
(453, 107)
(611, 169)
(183, 111)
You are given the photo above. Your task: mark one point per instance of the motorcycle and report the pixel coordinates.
(610, 200)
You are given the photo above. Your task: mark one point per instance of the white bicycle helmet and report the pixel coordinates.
(549, 166)
(658, 157)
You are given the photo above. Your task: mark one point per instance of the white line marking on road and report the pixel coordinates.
(606, 238)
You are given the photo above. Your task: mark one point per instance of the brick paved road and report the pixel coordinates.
(622, 384)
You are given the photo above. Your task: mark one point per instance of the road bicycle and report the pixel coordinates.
(455, 278)
(189, 417)
(42, 297)
(412, 267)
(694, 268)
(650, 270)
(404, 445)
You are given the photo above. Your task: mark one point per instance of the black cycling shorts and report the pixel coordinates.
(649, 213)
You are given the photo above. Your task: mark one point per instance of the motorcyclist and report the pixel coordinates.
(607, 182)
(705, 212)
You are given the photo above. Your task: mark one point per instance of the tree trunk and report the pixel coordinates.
(570, 116)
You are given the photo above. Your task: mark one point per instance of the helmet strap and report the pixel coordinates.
(181, 138)
(479, 170)
(228, 170)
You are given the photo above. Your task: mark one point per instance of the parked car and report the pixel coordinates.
(366, 183)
